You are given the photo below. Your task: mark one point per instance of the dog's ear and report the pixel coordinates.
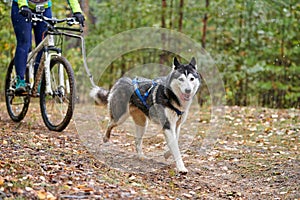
(193, 62)
(176, 64)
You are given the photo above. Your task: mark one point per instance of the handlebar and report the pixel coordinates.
(55, 31)
(51, 22)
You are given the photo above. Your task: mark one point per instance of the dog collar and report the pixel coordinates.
(135, 83)
(178, 112)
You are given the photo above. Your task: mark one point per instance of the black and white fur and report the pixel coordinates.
(169, 102)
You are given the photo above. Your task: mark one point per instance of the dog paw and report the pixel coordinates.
(105, 139)
(183, 171)
(167, 154)
(142, 156)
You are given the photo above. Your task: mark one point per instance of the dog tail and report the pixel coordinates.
(100, 95)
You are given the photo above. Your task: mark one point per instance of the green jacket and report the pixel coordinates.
(74, 4)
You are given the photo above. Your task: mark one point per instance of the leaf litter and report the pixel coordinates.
(256, 156)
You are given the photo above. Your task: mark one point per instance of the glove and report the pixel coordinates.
(79, 17)
(26, 12)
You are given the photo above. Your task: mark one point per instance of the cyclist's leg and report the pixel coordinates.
(22, 30)
(39, 31)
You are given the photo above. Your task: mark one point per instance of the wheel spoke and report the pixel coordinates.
(57, 108)
(17, 106)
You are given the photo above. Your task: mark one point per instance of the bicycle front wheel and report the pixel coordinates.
(57, 104)
(17, 105)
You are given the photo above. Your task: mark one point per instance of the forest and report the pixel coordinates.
(254, 44)
(243, 146)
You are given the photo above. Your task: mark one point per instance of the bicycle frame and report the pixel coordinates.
(54, 76)
(44, 66)
(48, 45)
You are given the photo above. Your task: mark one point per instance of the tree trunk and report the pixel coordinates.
(163, 25)
(180, 15)
(204, 29)
(85, 9)
(282, 37)
(171, 15)
(163, 13)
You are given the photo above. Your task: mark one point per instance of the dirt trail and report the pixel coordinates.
(255, 156)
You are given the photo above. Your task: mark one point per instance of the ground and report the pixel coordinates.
(255, 155)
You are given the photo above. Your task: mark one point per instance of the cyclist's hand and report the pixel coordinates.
(79, 17)
(26, 12)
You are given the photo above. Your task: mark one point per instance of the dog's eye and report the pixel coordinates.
(181, 79)
(192, 79)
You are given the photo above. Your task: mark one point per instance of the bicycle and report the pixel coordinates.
(54, 82)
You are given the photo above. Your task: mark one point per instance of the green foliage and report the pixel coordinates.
(255, 44)
(7, 41)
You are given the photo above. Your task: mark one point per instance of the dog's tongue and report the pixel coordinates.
(185, 97)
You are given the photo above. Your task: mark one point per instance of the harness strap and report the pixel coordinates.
(135, 83)
(143, 99)
(178, 112)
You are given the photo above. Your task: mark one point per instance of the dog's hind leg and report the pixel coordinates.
(110, 126)
(113, 124)
(141, 123)
(118, 108)
(140, 130)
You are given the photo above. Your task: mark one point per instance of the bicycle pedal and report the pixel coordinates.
(36, 95)
(21, 93)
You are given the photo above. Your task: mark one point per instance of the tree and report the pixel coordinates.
(204, 29)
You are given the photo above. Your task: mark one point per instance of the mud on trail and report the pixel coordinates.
(255, 156)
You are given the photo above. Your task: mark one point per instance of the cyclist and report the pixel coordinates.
(21, 13)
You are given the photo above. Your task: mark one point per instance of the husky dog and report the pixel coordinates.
(165, 100)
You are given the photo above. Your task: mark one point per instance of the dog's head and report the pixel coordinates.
(185, 80)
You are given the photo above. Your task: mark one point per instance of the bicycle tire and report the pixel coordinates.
(62, 102)
(17, 106)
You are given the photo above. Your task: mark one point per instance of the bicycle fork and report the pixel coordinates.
(49, 52)
(48, 89)
(62, 83)
(61, 80)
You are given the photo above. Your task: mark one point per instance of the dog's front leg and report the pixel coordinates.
(167, 154)
(172, 142)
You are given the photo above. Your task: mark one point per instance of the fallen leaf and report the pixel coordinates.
(1, 180)
(42, 194)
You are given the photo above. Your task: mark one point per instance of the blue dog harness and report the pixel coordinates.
(143, 99)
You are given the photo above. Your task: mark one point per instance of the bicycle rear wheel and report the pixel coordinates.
(17, 106)
(57, 108)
